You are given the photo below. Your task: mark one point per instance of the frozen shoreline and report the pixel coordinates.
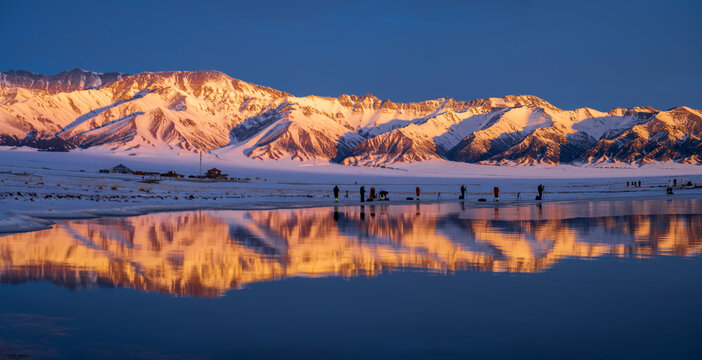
(33, 220)
(37, 188)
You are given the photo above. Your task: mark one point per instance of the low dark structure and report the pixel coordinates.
(172, 174)
(119, 169)
(215, 173)
(146, 173)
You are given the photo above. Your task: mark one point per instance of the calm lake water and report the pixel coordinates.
(598, 279)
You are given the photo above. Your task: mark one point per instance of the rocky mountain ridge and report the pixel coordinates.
(210, 111)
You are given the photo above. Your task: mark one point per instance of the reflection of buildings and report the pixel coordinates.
(208, 253)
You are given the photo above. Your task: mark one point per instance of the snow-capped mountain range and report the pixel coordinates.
(210, 111)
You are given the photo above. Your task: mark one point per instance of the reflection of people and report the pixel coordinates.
(363, 193)
(363, 212)
(417, 210)
(496, 192)
(372, 210)
(336, 193)
(336, 213)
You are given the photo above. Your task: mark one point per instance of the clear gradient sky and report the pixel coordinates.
(599, 54)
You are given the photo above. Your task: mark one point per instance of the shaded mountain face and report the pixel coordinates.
(73, 80)
(210, 111)
(675, 134)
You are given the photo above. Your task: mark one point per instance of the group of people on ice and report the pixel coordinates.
(673, 183)
(496, 193)
(373, 196)
(636, 184)
(383, 195)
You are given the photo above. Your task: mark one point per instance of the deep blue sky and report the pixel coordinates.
(600, 54)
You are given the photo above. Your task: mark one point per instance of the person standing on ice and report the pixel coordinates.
(540, 189)
(463, 192)
(336, 193)
(496, 192)
(417, 192)
(363, 193)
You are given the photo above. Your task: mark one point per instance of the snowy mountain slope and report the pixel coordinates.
(550, 145)
(500, 133)
(675, 134)
(407, 144)
(210, 111)
(178, 110)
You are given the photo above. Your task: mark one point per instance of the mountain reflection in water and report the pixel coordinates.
(206, 253)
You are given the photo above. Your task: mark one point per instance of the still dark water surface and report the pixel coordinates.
(562, 280)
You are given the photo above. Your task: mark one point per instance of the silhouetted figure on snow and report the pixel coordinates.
(540, 189)
(463, 192)
(336, 193)
(363, 193)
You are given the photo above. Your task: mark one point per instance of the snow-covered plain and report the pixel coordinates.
(38, 188)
